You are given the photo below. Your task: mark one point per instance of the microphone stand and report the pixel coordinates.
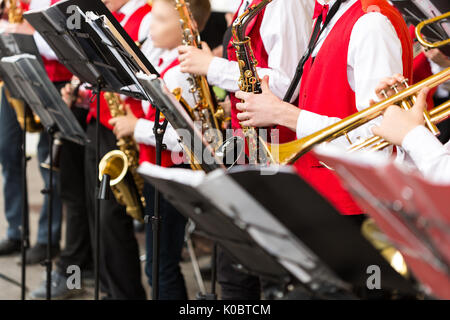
(159, 129)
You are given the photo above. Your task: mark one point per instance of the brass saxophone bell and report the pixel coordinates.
(115, 164)
(374, 235)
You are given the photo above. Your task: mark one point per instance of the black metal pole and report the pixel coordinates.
(97, 199)
(49, 193)
(25, 212)
(214, 271)
(156, 219)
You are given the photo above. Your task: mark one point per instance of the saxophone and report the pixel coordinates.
(249, 81)
(23, 112)
(206, 110)
(121, 165)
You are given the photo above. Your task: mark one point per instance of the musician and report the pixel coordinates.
(406, 128)
(364, 42)
(279, 35)
(165, 34)
(120, 270)
(11, 158)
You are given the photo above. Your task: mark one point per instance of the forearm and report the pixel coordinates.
(143, 133)
(430, 156)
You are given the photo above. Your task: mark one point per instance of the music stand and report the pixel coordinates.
(92, 53)
(412, 212)
(13, 44)
(271, 235)
(27, 76)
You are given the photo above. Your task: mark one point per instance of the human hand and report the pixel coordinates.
(124, 125)
(397, 122)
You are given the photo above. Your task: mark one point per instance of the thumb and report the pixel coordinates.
(376, 130)
(128, 109)
(205, 46)
(265, 84)
(421, 101)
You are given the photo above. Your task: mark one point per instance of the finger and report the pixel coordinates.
(265, 84)
(243, 95)
(113, 121)
(182, 49)
(421, 102)
(241, 106)
(243, 116)
(372, 102)
(247, 123)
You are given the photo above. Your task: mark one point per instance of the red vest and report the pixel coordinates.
(132, 28)
(147, 153)
(325, 90)
(261, 55)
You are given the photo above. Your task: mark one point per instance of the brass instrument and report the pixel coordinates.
(121, 165)
(33, 124)
(15, 13)
(291, 151)
(431, 45)
(259, 152)
(380, 242)
(206, 110)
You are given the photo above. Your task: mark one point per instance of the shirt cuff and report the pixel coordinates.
(143, 132)
(216, 71)
(420, 144)
(306, 123)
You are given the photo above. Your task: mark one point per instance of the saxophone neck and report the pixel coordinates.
(190, 33)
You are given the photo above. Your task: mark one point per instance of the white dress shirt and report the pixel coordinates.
(143, 132)
(41, 44)
(429, 155)
(285, 32)
(127, 9)
(375, 52)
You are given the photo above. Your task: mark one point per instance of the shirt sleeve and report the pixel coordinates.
(375, 52)
(429, 155)
(143, 133)
(43, 47)
(285, 32)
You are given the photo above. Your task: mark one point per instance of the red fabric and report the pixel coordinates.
(147, 153)
(262, 57)
(24, 6)
(132, 28)
(422, 69)
(339, 100)
(321, 10)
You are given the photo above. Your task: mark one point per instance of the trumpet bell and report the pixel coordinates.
(115, 165)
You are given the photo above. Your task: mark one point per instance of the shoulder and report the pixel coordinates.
(290, 6)
(374, 21)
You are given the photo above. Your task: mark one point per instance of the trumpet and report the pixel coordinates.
(425, 43)
(291, 151)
